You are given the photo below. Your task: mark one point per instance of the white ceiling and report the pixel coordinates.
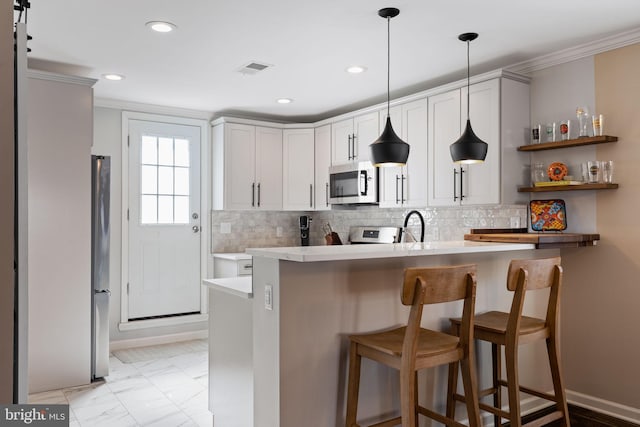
(309, 43)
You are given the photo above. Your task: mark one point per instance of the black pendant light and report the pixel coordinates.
(389, 149)
(468, 148)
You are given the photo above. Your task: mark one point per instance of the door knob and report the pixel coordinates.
(195, 228)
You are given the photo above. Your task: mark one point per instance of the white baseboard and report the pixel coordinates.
(626, 413)
(162, 339)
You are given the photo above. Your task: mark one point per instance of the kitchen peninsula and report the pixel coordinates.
(307, 300)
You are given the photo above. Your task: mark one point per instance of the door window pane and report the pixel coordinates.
(149, 210)
(149, 179)
(181, 152)
(165, 180)
(165, 151)
(165, 209)
(181, 210)
(149, 150)
(181, 181)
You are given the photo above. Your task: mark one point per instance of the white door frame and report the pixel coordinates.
(204, 224)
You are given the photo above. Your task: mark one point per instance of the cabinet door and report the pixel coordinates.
(443, 130)
(391, 176)
(365, 129)
(298, 173)
(322, 163)
(414, 132)
(341, 144)
(239, 166)
(268, 168)
(481, 182)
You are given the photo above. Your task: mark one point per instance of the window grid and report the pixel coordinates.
(157, 205)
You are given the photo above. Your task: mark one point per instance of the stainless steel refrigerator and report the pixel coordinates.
(100, 293)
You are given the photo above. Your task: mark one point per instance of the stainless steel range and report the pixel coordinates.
(374, 234)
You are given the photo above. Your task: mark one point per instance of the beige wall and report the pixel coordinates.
(6, 207)
(602, 293)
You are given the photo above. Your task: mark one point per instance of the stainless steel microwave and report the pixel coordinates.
(353, 183)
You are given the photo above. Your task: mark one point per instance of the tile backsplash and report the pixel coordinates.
(234, 231)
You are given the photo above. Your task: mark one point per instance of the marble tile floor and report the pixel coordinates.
(167, 391)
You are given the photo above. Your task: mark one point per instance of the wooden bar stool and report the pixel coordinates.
(412, 348)
(513, 329)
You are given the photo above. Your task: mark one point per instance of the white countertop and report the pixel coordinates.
(233, 256)
(241, 286)
(352, 252)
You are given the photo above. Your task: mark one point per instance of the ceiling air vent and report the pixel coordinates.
(253, 67)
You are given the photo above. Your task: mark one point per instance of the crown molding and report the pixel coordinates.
(117, 104)
(577, 52)
(61, 78)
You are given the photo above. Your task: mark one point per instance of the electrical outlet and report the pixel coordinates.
(268, 297)
(225, 228)
(278, 231)
(515, 222)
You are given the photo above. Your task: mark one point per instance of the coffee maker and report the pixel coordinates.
(305, 224)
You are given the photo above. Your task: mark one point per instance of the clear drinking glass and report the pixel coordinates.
(607, 171)
(597, 122)
(565, 130)
(535, 134)
(583, 118)
(594, 171)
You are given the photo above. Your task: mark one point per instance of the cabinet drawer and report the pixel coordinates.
(245, 267)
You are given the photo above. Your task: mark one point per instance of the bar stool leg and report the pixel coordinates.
(452, 389)
(511, 362)
(469, 382)
(496, 356)
(558, 389)
(353, 385)
(408, 397)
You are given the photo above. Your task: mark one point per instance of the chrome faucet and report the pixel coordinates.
(406, 222)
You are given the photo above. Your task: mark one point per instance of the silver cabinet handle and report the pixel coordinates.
(258, 194)
(402, 189)
(349, 147)
(195, 228)
(326, 193)
(397, 179)
(311, 195)
(461, 179)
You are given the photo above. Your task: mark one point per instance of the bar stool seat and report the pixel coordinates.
(411, 348)
(512, 329)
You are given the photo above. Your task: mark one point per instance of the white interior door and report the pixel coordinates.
(164, 219)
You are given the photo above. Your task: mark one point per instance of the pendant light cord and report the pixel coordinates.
(388, 63)
(468, 79)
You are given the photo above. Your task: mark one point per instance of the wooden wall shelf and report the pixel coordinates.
(567, 188)
(569, 143)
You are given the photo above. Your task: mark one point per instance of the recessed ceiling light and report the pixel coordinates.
(356, 69)
(161, 26)
(114, 77)
(284, 101)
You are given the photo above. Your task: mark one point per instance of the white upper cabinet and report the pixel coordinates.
(298, 190)
(350, 138)
(322, 163)
(406, 186)
(246, 167)
(492, 101)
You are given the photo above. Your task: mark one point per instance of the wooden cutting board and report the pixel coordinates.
(541, 240)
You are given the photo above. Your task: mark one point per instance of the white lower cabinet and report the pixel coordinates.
(406, 186)
(499, 116)
(298, 192)
(246, 167)
(322, 157)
